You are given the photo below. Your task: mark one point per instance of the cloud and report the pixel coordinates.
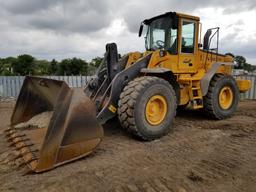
(26, 6)
(60, 16)
(142, 10)
(64, 28)
(232, 43)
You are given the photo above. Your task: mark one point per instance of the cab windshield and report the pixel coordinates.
(161, 35)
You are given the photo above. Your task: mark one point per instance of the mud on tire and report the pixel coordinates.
(132, 107)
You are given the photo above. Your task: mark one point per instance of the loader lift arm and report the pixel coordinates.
(111, 77)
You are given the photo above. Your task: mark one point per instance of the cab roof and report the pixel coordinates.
(171, 14)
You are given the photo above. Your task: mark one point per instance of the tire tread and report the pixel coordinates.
(127, 102)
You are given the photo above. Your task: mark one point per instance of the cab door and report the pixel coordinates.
(187, 46)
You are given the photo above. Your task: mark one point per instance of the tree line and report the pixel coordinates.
(28, 65)
(241, 63)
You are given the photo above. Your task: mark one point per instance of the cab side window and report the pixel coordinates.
(188, 37)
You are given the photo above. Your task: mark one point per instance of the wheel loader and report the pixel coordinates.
(142, 89)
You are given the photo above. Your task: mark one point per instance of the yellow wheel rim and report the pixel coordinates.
(225, 97)
(156, 109)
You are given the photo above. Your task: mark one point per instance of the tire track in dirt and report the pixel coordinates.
(153, 185)
(227, 159)
(199, 155)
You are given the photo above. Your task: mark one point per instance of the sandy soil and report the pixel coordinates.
(199, 155)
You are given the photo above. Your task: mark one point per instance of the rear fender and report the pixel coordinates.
(205, 81)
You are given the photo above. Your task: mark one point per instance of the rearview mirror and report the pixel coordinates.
(141, 29)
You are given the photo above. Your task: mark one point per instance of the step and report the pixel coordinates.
(197, 97)
(197, 106)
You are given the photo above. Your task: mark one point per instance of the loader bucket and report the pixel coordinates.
(73, 131)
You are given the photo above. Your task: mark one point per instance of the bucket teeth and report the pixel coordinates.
(31, 159)
(28, 152)
(14, 137)
(25, 145)
(27, 162)
(10, 133)
(13, 143)
(7, 130)
(20, 142)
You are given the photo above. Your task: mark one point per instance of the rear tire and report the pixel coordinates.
(222, 97)
(147, 107)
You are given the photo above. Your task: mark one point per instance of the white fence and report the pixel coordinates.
(10, 85)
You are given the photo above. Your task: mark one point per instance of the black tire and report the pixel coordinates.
(211, 100)
(132, 106)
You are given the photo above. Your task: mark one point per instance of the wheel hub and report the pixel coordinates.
(225, 97)
(156, 109)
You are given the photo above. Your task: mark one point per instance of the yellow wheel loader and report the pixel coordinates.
(142, 89)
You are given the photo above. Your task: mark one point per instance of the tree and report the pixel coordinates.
(6, 66)
(96, 62)
(41, 67)
(24, 65)
(1, 66)
(249, 67)
(240, 62)
(5, 69)
(53, 67)
(73, 66)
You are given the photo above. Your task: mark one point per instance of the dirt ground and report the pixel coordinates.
(199, 155)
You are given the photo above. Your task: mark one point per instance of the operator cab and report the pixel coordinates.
(163, 33)
(175, 34)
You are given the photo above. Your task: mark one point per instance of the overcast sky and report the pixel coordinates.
(60, 29)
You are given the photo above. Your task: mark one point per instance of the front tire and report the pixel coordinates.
(147, 107)
(222, 97)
